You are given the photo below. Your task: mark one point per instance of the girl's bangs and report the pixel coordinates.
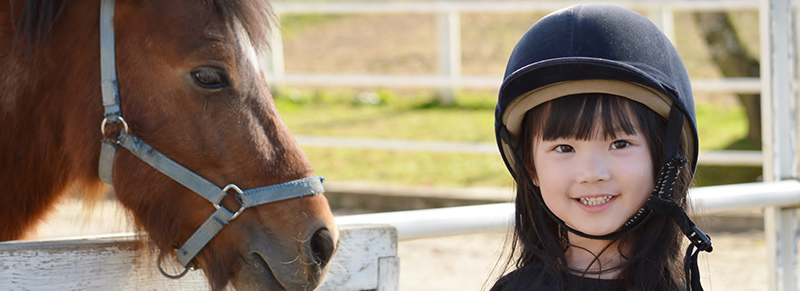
(588, 116)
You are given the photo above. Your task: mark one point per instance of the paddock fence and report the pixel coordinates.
(449, 60)
(448, 27)
(366, 259)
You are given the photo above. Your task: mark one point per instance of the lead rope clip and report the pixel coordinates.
(178, 276)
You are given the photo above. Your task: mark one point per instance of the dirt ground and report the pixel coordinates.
(460, 262)
(738, 262)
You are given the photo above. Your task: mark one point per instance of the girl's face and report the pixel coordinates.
(594, 185)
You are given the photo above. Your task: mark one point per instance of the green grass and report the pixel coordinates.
(409, 168)
(720, 126)
(383, 114)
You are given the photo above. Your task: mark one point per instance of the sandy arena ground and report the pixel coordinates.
(461, 262)
(738, 262)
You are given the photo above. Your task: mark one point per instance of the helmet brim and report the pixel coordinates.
(548, 80)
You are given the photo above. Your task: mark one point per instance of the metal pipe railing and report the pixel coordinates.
(430, 223)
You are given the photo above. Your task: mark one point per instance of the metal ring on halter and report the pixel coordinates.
(178, 276)
(113, 119)
(238, 199)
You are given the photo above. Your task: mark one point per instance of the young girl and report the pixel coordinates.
(595, 120)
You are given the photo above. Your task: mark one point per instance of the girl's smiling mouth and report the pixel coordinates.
(592, 201)
(595, 203)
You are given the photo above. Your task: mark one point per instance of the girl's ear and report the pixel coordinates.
(532, 174)
(530, 168)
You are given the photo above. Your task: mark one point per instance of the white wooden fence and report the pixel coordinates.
(366, 260)
(450, 77)
(449, 38)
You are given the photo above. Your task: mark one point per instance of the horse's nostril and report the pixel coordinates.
(322, 247)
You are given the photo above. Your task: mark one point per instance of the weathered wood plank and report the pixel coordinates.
(114, 263)
(356, 264)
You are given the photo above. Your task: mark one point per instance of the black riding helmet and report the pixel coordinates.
(612, 50)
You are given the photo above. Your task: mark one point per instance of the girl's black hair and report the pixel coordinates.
(654, 261)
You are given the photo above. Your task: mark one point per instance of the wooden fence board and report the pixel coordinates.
(113, 263)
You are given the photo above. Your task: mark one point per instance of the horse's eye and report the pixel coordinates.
(210, 78)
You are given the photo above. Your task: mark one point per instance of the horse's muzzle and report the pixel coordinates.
(267, 266)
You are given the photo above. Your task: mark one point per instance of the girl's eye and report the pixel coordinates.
(620, 144)
(562, 148)
(210, 78)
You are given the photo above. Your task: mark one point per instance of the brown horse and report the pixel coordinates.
(190, 86)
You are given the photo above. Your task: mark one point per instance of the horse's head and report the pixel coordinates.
(192, 88)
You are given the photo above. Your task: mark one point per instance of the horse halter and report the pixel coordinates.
(187, 178)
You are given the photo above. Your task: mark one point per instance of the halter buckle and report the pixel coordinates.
(237, 195)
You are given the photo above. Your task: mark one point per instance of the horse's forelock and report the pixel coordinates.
(255, 16)
(35, 20)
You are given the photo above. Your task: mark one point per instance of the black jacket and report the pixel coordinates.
(531, 278)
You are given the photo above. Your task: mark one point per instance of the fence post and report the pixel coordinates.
(779, 123)
(449, 26)
(275, 68)
(664, 18)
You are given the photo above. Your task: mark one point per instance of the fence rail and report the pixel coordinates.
(737, 85)
(449, 26)
(429, 223)
(718, 158)
(366, 260)
(351, 7)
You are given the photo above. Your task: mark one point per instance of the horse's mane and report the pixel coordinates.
(35, 23)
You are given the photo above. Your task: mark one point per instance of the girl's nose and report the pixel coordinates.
(594, 169)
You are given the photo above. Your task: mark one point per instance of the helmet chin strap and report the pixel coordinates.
(659, 202)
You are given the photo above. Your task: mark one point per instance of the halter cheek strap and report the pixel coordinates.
(170, 168)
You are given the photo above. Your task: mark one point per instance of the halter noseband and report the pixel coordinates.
(172, 169)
